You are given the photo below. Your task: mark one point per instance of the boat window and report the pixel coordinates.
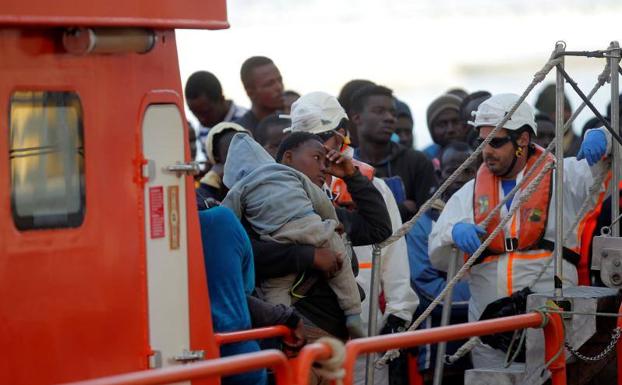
(46, 159)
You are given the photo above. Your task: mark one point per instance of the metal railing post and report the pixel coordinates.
(559, 173)
(614, 60)
(619, 349)
(374, 292)
(445, 316)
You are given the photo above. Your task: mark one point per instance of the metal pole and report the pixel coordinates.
(447, 302)
(559, 174)
(374, 292)
(614, 60)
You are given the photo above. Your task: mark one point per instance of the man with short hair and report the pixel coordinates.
(264, 86)
(269, 133)
(206, 101)
(404, 124)
(409, 173)
(444, 124)
(513, 261)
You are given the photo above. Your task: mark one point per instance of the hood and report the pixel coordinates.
(245, 156)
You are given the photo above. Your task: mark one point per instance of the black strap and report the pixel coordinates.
(544, 244)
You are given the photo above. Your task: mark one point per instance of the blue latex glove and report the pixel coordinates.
(593, 147)
(466, 236)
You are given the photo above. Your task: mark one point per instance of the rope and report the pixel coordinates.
(331, 368)
(538, 77)
(463, 350)
(391, 354)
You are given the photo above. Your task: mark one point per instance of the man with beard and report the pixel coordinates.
(264, 86)
(513, 261)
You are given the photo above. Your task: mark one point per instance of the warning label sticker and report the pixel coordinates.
(156, 211)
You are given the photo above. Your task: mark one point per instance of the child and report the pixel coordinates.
(283, 205)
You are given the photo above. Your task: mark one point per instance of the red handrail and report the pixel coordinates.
(553, 332)
(226, 366)
(307, 356)
(252, 334)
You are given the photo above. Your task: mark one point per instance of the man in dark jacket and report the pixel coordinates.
(368, 224)
(409, 173)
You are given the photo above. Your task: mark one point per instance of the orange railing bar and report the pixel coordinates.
(553, 332)
(619, 349)
(307, 356)
(252, 334)
(219, 367)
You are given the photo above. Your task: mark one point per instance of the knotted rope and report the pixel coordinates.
(332, 368)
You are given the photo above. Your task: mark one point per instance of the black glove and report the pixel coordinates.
(504, 307)
(394, 325)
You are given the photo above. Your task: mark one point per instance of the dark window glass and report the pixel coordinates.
(46, 159)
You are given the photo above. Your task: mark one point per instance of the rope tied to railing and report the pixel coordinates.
(332, 368)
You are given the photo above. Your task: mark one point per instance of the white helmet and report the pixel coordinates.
(315, 112)
(494, 109)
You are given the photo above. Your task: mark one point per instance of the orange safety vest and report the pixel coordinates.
(340, 189)
(533, 213)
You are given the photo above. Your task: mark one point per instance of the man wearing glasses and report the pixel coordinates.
(521, 251)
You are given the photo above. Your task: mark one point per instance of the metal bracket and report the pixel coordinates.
(190, 168)
(155, 360)
(149, 170)
(190, 356)
(607, 257)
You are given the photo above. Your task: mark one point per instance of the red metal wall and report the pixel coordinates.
(73, 301)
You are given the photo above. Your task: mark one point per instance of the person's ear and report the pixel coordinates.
(287, 158)
(356, 118)
(523, 139)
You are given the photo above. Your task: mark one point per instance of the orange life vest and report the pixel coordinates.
(340, 189)
(533, 214)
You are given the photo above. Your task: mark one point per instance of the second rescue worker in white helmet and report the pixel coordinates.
(520, 252)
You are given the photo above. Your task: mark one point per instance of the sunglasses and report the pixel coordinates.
(495, 142)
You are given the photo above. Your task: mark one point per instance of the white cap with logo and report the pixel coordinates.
(494, 109)
(315, 112)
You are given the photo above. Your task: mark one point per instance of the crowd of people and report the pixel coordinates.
(296, 189)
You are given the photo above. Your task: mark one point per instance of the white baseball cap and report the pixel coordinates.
(494, 109)
(315, 112)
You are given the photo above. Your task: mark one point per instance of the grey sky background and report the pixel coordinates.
(418, 48)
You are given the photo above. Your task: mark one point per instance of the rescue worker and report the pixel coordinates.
(516, 257)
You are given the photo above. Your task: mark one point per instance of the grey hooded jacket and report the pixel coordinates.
(269, 195)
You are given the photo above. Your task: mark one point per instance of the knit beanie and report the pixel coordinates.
(440, 104)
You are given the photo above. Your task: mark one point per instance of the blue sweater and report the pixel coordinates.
(230, 278)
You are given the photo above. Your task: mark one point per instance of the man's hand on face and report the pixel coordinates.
(339, 165)
(327, 261)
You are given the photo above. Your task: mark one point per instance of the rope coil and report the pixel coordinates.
(332, 368)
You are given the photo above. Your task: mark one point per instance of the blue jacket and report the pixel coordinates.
(428, 282)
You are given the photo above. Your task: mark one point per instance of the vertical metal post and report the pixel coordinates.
(559, 174)
(614, 60)
(445, 316)
(374, 292)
